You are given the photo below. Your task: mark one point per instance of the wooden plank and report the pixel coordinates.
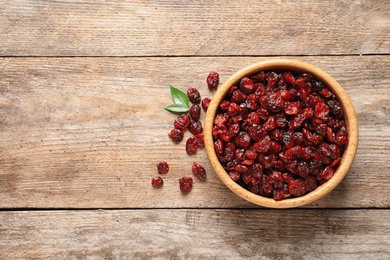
(88, 132)
(221, 234)
(144, 28)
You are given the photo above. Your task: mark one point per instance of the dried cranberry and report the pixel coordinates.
(191, 145)
(238, 97)
(234, 175)
(162, 167)
(321, 110)
(289, 77)
(259, 77)
(182, 122)
(205, 103)
(218, 146)
(243, 139)
(270, 124)
(341, 137)
(194, 95)
(311, 183)
(335, 108)
(195, 112)
(212, 80)
(275, 102)
(292, 108)
(176, 135)
(195, 127)
(272, 79)
(327, 173)
(198, 171)
(157, 182)
(200, 140)
(185, 184)
(247, 85)
(297, 187)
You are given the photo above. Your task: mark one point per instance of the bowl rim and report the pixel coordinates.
(300, 67)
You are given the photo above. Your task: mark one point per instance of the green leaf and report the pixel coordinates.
(179, 97)
(177, 108)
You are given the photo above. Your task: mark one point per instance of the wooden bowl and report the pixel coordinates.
(299, 67)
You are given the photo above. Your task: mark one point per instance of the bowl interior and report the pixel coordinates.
(299, 67)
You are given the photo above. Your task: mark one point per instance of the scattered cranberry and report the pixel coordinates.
(195, 112)
(191, 145)
(157, 182)
(194, 95)
(185, 184)
(205, 103)
(280, 134)
(195, 127)
(182, 122)
(162, 167)
(199, 140)
(212, 80)
(198, 171)
(176, 135)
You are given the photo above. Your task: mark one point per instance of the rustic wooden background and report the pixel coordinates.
(83, 86)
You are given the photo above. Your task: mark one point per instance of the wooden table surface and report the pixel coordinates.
(83, 86)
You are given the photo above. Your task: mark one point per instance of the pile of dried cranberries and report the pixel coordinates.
(280, 134)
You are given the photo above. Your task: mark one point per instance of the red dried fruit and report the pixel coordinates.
(218, 146)
(292, 108)
(194, 95)
(335, 162)
(205, 103)
(288, 139)
(195, 127)
(241, 168)
(195, 112)
(272, 79)
(259, 77)
(327, 173)
(185, 184)
(297, 187)
(198, 171)
(341, 137)
(238, 97)
(162, 167)
(191, 145)
(247, 85)
(200, 140)
(176, 135)
(285, 94)
(182, 122)
(327, 93)
(335, 109)
(233, 109)
(288, 77)
(276, 178)
(270, 124)
(321, 110)
(212, 80)
(263, 145)
(243, 139)
(234, 175)
(311, 183)
(275, 102)
(157, 182)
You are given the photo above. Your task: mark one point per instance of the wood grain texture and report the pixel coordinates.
(195, 234)
(154, 28)
(88, 132)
